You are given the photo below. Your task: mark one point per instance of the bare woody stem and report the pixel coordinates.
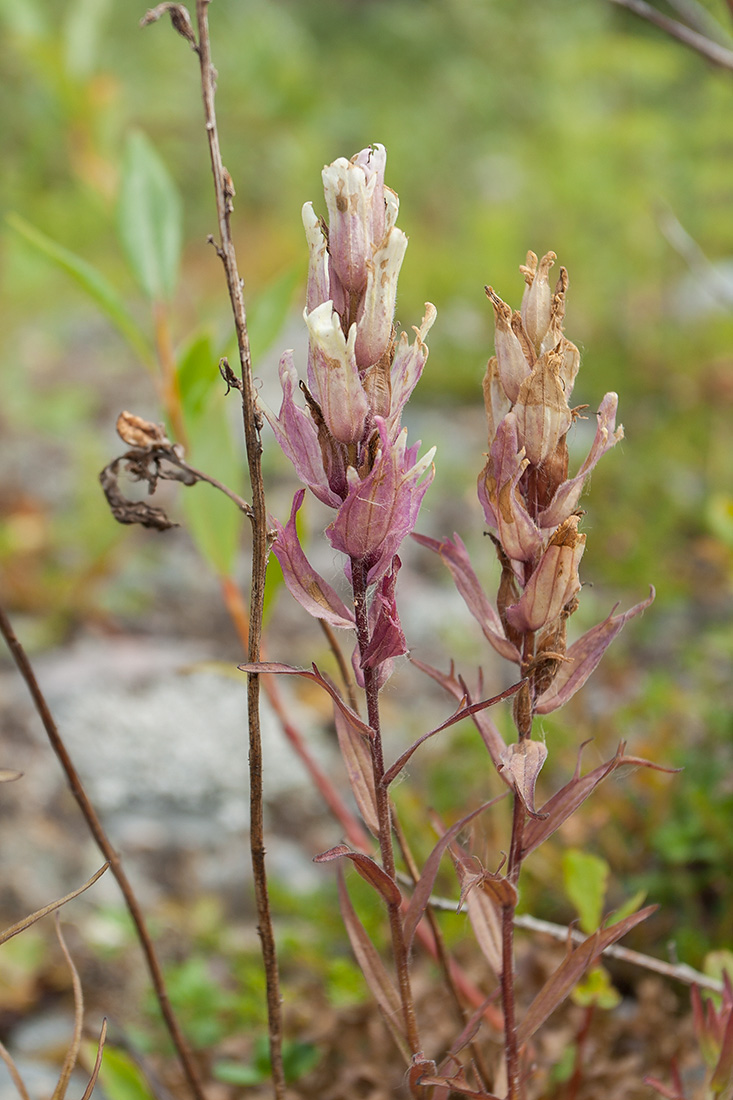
(384, 814)
(225, 250)
(105, 846)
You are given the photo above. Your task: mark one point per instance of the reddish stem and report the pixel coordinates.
(384, 816)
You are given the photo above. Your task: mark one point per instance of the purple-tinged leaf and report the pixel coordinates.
(470, 1029)
(387, 638)
(420, 1067)
(522, 765)
(455, 556)
(370, 871)
(297, 436)
(670, 1092)
(424, 885)
(470, 710)
(310, 589)
(567, 800)
(560, 984)
(261, 667)
(373, 969)
(583, 657)
(458, 1084)
(490, 735)
(358, 763)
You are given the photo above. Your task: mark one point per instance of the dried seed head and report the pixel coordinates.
(511, 359)
(537, 300)
(136, 432)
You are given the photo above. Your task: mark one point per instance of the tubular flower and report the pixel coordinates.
(530, 502)
(358, 370)
(344, 438)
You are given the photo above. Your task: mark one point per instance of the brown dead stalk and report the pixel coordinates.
(104, 844)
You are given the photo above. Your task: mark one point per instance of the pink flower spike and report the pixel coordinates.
(381, 510)
(454, 554)
(607, 436)
(387, 639)
(583, 657)
(297, 436)
(554, 582)
(334, 376)
(308, 588)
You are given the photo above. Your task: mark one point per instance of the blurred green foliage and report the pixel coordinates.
(571, 127)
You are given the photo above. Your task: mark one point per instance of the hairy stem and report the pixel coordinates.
(384, 815)
(260, 549)
(508, 993)
(104, 844)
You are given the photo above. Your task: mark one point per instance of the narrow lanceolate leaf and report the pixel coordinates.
(583, 657)
(150, 219)
(373, 969)
(315, 675)
(358, 763)
(73, 1051)
(470, 710)
(571, 970)
(306, 585)
(97, 1061)
(370, 871)
(28, 921)
(488, 730)
(92, 282)
(421, 896)
(567, 800)
(454, 554)
(459, 1085)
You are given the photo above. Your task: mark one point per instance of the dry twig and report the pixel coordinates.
(105, 846)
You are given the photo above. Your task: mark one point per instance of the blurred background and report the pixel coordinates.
(568, 126)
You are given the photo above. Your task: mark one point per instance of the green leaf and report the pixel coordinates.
(96, 285)
(268, 310)
(597, 989)
(298, 1059)
(121, 1079)
(240, 1073)
(198, 375)
(82, 32)
(585, 877)
(629, 906)
(150, 218)
(214, 521)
